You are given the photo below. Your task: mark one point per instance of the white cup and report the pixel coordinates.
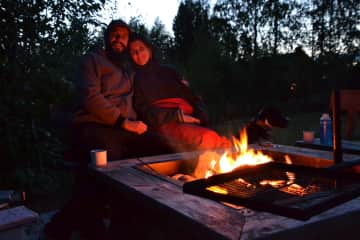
(308, 136)
(98, 157)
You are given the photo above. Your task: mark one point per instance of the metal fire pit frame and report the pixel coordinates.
(263, 203)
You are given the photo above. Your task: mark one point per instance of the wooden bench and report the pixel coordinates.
(13, 222)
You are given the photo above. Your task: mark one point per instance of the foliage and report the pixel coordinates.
(248, 53)
(335, 25)
(192, 17)
(41, 42)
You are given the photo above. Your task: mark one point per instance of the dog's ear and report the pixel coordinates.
(272, 117)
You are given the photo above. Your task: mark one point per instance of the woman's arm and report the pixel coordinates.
(200, 111)
(152, 115)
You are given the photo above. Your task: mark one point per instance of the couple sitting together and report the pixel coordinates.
(137, 107)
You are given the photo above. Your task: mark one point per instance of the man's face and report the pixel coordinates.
(118, 38)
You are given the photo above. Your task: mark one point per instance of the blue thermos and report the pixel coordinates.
(325, 130)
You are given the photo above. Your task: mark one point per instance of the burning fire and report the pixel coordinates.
(242, 156)
(229, 161)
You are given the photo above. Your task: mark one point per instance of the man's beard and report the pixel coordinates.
(117, 46)
(116, 56)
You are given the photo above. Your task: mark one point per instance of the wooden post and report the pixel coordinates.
(336, 124)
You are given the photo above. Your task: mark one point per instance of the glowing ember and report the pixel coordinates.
(298, 190)
(291, 177)
(273, 183)
(218, 189)
(287, 159)
(247, 184)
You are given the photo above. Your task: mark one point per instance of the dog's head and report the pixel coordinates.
(272, 117)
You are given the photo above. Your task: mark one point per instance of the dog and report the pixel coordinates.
(258, 129)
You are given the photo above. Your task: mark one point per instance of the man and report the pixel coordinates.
(104, 119)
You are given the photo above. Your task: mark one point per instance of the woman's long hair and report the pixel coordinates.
(140, 37)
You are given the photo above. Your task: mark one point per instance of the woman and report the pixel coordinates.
(166, 104)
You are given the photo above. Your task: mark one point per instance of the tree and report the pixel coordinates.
(334, 26)
(40, 43)
(192, 16)
(162, 40)
(226, 36)
(245, 16)
(280, 16)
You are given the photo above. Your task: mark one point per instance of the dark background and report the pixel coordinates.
(238, 56)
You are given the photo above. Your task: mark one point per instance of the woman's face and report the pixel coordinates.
(139, 52)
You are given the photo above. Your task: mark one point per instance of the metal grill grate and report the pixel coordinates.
(300, 192)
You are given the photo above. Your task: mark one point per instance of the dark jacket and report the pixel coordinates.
(156, 82)
(105, 90)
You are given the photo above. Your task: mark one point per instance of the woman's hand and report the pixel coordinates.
(138, 127)
(190, 119)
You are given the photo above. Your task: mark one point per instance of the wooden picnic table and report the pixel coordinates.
(347, 146)
(200, 218)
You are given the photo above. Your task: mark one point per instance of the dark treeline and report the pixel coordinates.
(238, 55)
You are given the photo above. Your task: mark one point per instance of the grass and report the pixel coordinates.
(287, 136)
(298, 123)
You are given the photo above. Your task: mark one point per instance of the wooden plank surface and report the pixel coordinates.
(212, 215)
(14, 217)
(346, 145)
(218, 220)
(299, 155)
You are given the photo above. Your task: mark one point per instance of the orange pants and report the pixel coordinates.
(193, 137)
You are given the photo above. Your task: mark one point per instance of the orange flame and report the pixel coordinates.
(242, 156)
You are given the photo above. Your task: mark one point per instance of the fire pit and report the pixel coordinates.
(291, 182)
(260, 181)
(298, 191)
(150, 182)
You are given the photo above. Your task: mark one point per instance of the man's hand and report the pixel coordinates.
(190, 119)
(138, 127)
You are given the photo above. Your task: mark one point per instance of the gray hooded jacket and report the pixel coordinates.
(106, 91)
